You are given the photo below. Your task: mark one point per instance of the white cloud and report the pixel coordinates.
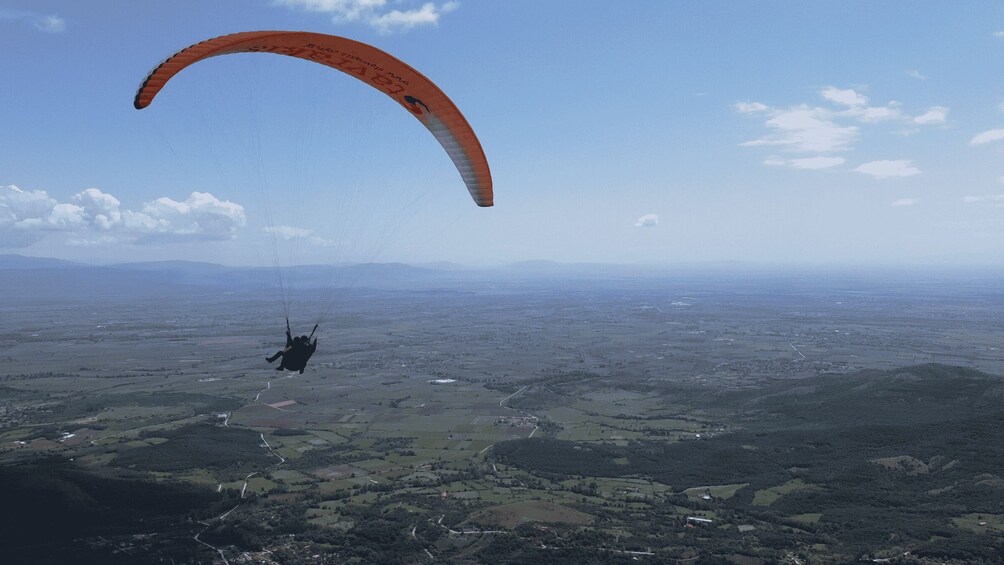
(340, 10)
(806, 129)
(848, 97)
(872, 114)
(992, 198)
(93, 216)
(142, 223)
(904, 202)
(41, 22)
(102, 208)
(821, 130)
(816, 129)
(814, 163)
(395, 20)
(751, 107)
(288, 232)
(292, 232)
(16, 204)
(857, 105)
(50, 24)
(90, 241)
(999, 34)
(888, 169)
(806, 163)
(987, 137)
(20, 216)
(934, 115)
(647, 221)
(375, 13)
(202, 216)
(916, 74)
(65, 217)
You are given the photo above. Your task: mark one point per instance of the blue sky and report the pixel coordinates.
(618, 132)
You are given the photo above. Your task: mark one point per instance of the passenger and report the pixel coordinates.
(296, 353)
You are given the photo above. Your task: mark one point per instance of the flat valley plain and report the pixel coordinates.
(504, 417)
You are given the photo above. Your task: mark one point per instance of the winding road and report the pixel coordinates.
(264, 443)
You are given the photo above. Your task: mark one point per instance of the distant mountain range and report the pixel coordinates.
(22, 275)
(21, 262)
(35, 275)
(308, 275)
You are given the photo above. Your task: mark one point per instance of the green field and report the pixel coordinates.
(767, 496)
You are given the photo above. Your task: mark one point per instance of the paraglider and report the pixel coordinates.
(384, 72)
(380, 70)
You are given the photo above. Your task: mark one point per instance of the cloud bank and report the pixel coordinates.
(92, 216)
(375, 13)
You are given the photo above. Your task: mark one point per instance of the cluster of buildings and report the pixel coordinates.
(517, 421)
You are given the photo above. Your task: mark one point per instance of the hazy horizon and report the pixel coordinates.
(723, 266)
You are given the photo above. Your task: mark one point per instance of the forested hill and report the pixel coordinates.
(868, 457)
(919, 394)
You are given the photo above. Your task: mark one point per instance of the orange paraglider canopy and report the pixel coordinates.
(382, 71)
